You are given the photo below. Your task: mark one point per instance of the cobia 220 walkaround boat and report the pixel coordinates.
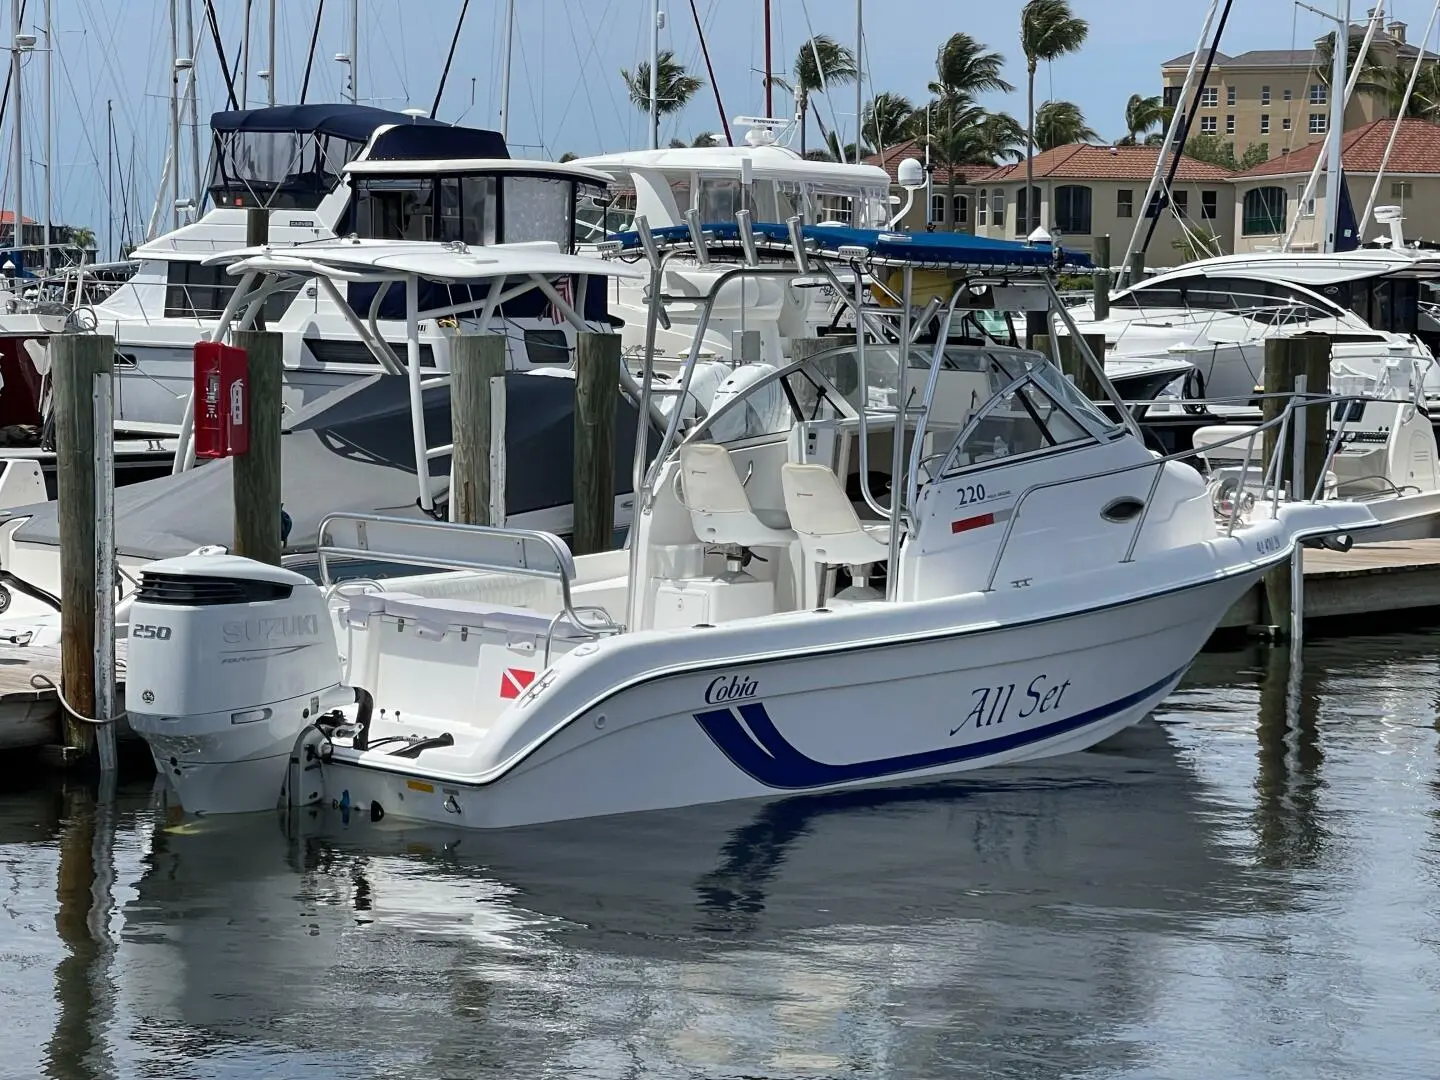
(1047, 580)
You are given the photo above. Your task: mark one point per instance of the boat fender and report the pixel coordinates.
(362, 718)
(376, 811)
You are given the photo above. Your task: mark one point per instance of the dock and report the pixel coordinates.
(30, 714)
(1400, 577)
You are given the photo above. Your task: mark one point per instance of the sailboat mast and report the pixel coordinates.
(175, 116)
(859, 76)
(505, 74)
(48, 193)
(655, 75)
(193, 45)
(110, 177)
(355, 52)
(17, 232)
(244, 56)
(270, 57)
(1334, 171)
(769, 89)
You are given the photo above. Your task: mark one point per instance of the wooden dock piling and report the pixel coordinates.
(597, 388)
(1073, 365)
(1288, 359)
(256, 475)
(1100, 285)
(477, 374)
(79, 363)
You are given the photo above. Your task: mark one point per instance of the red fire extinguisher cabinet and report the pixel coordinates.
(222, 400)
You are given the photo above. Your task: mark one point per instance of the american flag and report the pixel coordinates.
(566, 291)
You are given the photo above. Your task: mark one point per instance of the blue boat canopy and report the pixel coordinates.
(935, 249)
(411, 136)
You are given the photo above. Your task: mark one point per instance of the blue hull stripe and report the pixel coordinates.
(754, 744)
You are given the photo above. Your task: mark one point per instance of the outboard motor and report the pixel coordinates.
(228, 661)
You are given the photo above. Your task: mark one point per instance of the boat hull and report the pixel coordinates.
(883, 712)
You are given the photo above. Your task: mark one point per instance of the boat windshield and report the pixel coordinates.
(1031, 409)
(998, 385)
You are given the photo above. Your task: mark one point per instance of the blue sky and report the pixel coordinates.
(566, 89)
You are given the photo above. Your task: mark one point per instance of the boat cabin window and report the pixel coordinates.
(1391, 304)
(476, 210)
(721, 198)
(1266, 301)
(773, 403)
(193, 291)
(594, 221)
(280, 169)
(538, 208)
(404, 208)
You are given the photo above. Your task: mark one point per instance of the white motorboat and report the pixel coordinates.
(1047, 580)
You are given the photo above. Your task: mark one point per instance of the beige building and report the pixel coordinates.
(1268, 197)
(1278, 97)
(1084, 191)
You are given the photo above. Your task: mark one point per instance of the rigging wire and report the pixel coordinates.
(710, 70)
(450, 58)
(310, 58)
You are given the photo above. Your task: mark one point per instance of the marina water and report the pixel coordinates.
(1246, 885)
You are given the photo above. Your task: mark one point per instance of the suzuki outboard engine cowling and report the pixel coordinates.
(228, 661)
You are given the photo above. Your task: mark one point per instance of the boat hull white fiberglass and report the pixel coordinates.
(813, 721)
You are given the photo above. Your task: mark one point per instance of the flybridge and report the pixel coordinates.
(292, 156)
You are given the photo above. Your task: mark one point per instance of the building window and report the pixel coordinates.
(1157, 203)
(1287, 94)
(937, 209)
(1263, 212)
(1306, 207)
(1265, 124)
(1209, 97)
(1317, 93)
(1230, 95)
(1208, 125)
(1230, 124)
(1072, 209)
(962, 210)
(1264, 97)
(1181, 201)
(1402, 189)
(1027, 211)
(997, 207)
(1285, 124)
(1125, 203)
(1209, 205)
(1171, 97)
(982, 209)
(1318, 123)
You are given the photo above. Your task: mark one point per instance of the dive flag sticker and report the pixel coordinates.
(514, 680)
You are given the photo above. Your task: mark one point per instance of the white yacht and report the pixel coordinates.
(326, 171)
(1047, 580)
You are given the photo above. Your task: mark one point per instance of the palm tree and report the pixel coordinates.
(821, 62)
(887, 117)
(1142, 114)
(966, 67)
(1374, 78)
(834, 151)
(673, 86)
(1002, 137)
(962, 133)
(1048, 29)
(1060, 123)
(1424, 101)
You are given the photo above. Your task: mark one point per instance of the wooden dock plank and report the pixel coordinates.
(30, 715)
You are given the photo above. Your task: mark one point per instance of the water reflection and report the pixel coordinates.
(1248, 887)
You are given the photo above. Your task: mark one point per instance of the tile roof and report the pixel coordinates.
(910, 148)
(1086, 161)
(1296, 58)
(7, 217)
(1417, 150)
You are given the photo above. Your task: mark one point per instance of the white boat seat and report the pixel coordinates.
(720, 511)
(830, 531)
